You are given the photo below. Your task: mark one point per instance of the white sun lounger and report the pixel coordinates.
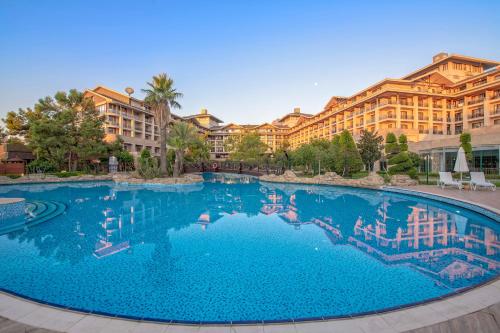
(477, 179)
(445, 179)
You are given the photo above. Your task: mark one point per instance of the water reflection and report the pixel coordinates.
(103, 221)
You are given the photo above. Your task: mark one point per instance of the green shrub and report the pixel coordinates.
(148, 166)
(13, 176)
(41, 165)
(66, 174)
(413, 173)
(359, 174)
(385, 175)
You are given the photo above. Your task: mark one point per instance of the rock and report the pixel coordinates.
(329, 178)
(403, 180)
(289, 174)
(185, 179)
(373, 179)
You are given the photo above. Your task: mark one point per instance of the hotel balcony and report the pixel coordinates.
(423, 104)
(387, 116)
(476, 101)
(407, 117)
(423, 131)
(496, 111)
(458, 118)
(437, 118)
(437, 132)
(476, 115)
(406, 103)
(423, 118)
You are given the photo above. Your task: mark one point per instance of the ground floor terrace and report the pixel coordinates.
(476, 310)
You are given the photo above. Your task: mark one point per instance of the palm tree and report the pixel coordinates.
(162, 96)
(183, 136)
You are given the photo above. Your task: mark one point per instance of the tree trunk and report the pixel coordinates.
(69, 161)
(177, 163)
(163, 151)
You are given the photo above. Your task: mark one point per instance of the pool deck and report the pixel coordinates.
(477, 310)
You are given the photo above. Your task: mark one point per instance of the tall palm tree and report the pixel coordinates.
(161, 96)
(183, 136)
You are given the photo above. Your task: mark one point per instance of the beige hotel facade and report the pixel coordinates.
(432, 106)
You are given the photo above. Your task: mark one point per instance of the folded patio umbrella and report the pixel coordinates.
(461, 162)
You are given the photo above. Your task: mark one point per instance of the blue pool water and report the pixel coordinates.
(234, 249)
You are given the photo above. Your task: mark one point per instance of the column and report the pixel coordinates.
(430, 112)
(415, 112)
(398, 113)
(465, 114)
(487, 107)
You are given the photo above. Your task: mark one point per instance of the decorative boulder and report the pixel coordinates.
(289, 174)
(373, 179)
(403, 180)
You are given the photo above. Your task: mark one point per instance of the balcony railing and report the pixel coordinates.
(475, 101)
(423, 131)
(423, 118)
(475, 115)
(403, 117)
(437, 132)
(496, 110)
(387, 116)
(437, 118)
(406, 103)
(458, 118)
(423, 104)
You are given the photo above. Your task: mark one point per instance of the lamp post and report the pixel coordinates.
(427, 159)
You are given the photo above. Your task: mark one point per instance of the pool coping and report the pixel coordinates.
(449, 306)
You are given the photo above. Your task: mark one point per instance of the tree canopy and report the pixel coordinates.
(161, 96)
(65, 131)
(247, 148)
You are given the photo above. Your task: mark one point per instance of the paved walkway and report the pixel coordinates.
(483, 197)
(477, 311)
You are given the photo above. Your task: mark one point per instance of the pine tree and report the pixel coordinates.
(465, 143)
(401, 163)
(348, 161)
(370, 148)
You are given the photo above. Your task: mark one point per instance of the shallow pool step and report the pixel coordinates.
(37, 211)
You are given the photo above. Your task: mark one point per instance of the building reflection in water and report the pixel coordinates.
(449, 248)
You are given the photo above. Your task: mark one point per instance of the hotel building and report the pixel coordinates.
(133, 121)
(432, 106)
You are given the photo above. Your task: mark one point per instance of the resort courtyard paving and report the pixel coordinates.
(478, 311)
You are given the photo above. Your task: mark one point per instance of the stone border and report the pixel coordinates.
(372, 181)
(399, 319)
(117, 178)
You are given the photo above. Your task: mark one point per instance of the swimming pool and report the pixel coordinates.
(235, 250)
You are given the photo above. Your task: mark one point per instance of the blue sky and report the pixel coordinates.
(246, 61)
